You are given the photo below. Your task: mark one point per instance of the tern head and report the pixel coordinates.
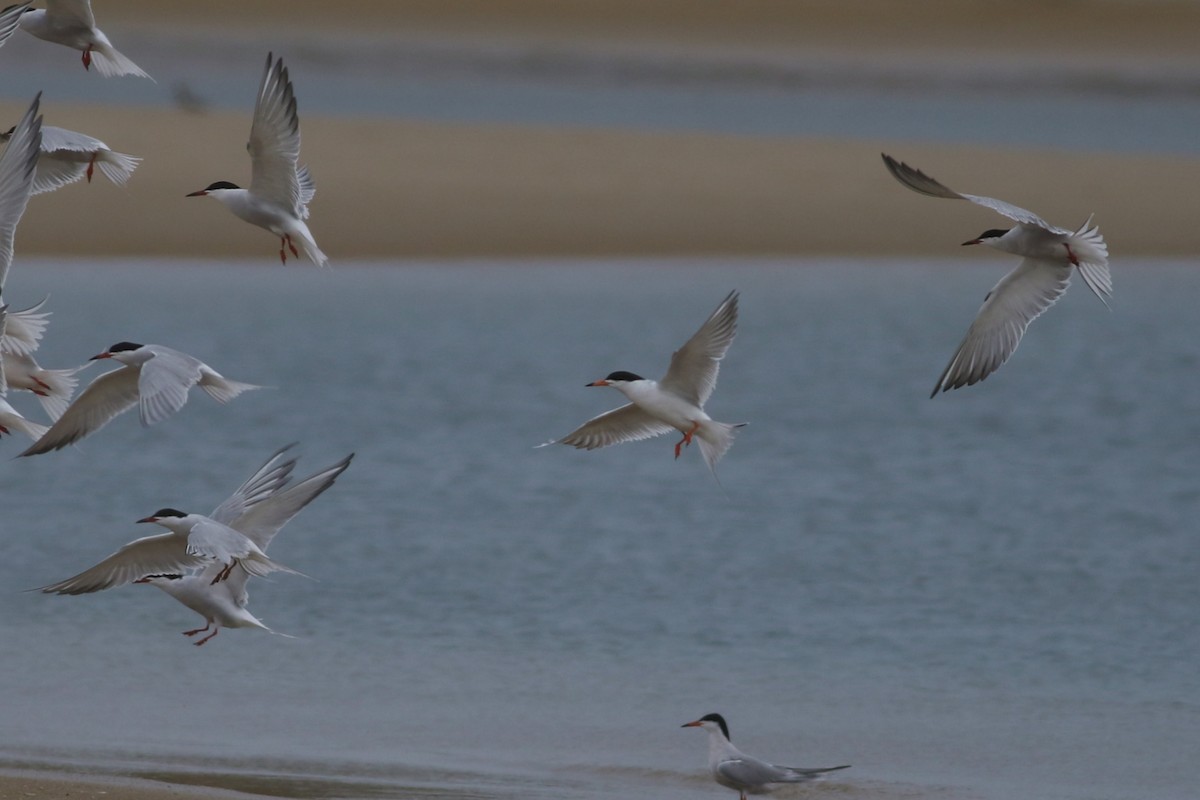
(617, 379)
(990, 236)
(711, 723)
(120, 351)
(165, 516)
(214, 187)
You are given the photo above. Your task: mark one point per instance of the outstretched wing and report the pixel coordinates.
(921, 183)
(266, 480)
(625, 424)
(107, 396)
(275, 140)
(9, 20)
(163, 553)
(164, 383)
(1009, 307)
(17, 165)
(694, 367)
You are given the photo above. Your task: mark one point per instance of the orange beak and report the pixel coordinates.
(149, 519)
(695, 724)
(600, 382)
(973, 241)
(200, 193)
(102, 355)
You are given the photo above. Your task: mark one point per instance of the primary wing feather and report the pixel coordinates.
(17, 167)
(275, 140)
(694, 367)
(266, 480)
(164, 383)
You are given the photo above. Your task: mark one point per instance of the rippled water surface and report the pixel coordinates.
(988, 594)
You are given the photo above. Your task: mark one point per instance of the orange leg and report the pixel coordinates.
(91, 166)
(198, 630)
(291, 246)
(87, 58)
(282, 252)
(687, 438)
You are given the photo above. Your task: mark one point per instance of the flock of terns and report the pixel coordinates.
(204, 561)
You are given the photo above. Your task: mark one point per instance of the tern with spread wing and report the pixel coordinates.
(71, 23)
(675, 402)
(1048, 255)
(10, 19)
(259, 509)
(280, 188)
(154, 378)
(745, 774)
(67, 156)
(20, 334)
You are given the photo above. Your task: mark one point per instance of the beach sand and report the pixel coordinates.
(33, 785)
(409, 189)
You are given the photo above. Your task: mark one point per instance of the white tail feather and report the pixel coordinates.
(61, 383)
(715, 440)
(111, 64)
(223, 390)
(117, 167)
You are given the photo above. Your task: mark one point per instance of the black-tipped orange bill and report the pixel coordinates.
(600, 382)
(200, 193)
(695, 724)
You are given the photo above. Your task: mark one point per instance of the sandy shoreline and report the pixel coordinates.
(51, 785)
(460, 190)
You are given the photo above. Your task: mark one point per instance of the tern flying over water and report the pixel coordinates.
(67, 156)
(259, 509)
(280, 188)
(748, 775)
(191, 540)
(154, 378)
(20, 334)
(1048, 254)
(675, 402)
(71, 23)
(9, 19)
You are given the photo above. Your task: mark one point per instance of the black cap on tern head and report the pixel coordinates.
(121, 347)
(221, 185)
(622, 375)
(168, 512)
(719, 720)
(991, 233)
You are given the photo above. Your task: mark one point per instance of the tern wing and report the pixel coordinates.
(694, 367)
(17, 166)
(62, 139)
(163, 553)
(275, 140)
(266, 480)
(107, 396)
(921, 183)
(70, 13)
(164, 382)
(262, 521)
(1019, 298)
(750, 772)
(625, 424)
(55, 173)
(8, 20)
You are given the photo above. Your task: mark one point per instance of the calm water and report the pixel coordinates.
(991, 594)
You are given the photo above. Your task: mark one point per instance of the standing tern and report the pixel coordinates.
(677, 401)
(748, 775)
(9, 20)
(71, 23)
(258, 509)
(154, 378)
(280, 189)
(67, 156)
(1048, 253)
(17, 165)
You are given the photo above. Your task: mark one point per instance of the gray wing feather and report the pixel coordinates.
(164, 383)
(165, 552)
(694, 367)
(106, 397)
(18, 163)
(9, 20)
(274, 144)
(625, 424)
(265, 481)
(1019, 298)
(921, 183)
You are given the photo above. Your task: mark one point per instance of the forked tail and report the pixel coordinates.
(117, 167)
(111, 64)
(222, 389)
(1091, 252)
(58, 385)
(715, 439)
